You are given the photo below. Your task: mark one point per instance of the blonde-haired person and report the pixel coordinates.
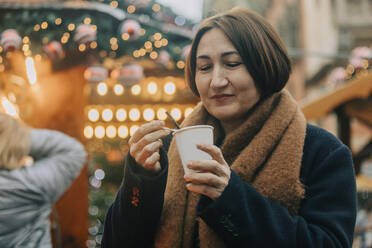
(273, 180)
(28, 191)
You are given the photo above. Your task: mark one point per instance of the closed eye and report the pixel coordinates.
(204, 67)
(233, 64)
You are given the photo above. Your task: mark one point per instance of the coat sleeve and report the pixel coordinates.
(58, 160)
(326, 218)
(132, 219)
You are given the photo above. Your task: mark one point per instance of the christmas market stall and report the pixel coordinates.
(95, 70)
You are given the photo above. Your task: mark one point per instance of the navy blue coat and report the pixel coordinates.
(241, 216)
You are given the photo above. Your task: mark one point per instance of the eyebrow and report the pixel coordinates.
(223, 55)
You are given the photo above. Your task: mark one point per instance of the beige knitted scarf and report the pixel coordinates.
(265, 151)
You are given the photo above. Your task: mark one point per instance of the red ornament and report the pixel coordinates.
(85, 33)
(95, 74)
(54, 51)
(131, 27)
(10, 40)
(129, 74)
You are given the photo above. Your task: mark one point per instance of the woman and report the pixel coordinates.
(273, 181)
(28, 191)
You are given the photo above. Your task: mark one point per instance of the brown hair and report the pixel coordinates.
(14, 142)
(258, 44)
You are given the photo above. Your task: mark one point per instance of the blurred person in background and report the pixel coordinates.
(273, 180)
(30, 187)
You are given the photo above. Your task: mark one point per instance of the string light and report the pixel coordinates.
(123, 131)
(26, 39)
(102, 89)
(107, 115)
(136, 54)
(114, 47)
(118, 89)
(136, 90)
(142, 52)
(114, 4)
(82, 47)
(176, 113)
(111, 131)
(36, 27)
(44, 25)
(93, 45)
(121, 114)
(88, 132)
(164, 42)
(180, 64)
(71, 26)
(134, 114)
(131, 9)
(152, 88)
(160, 114)
(170, 88)
(153, 55)
(87, 20)
(157, 44)
(99, 132)
(148, 45)
(157, 36)
(125, 36)
(156, 7)
(113, 40)
(133, 129)
(148, 114)
(93, 115)
(58, 21)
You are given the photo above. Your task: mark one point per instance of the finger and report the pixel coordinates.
(205, 178)
(145, 129)
(206, 165)
(150, 138)
(152, 160)
(204, 190)
(212, 150)
(140, 155)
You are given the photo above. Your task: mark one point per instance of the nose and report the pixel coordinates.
(219, 78)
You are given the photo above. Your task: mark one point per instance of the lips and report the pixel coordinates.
(219, 96)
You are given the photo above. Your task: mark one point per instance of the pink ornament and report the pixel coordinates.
(358, 54)
(95, 74)
(54, 51)
(85, 33)
(131, 27)
(10, 40)
(129, 74)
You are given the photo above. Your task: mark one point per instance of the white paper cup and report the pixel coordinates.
(186, 140)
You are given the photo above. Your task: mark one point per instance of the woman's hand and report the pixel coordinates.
(145, 143)
(208, 177)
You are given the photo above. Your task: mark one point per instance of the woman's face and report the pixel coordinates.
(225, 86)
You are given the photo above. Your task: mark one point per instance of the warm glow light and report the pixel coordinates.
(153, 55)
(26, 39)
(102, 89)
(188, 111)
(30, 69)
(136, 90)
(113, 40)
(160, 114)
(107, 114)
(99, 132)
(114, 47)
(44, 25)
(125, 36)
(111, 131)
(71, 26)
(156, 7)
(148, 44)
(88, 132)
(136, 54)
(134, 114)
(152, 87)
(148, 114)
(58, 21)
(133, 129)
(123, 131)
(170, 88)
(93, 115)
(157, 36)
(157, 44)
(164, 42)
(131, 9)
(87, 20)
(118, 89)
(114, 4)
(9, 108)
(93, 45)
(121, 114)
(82, 47)
(180, 64)
(176, 113)
(142, 52)
(37, 27)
